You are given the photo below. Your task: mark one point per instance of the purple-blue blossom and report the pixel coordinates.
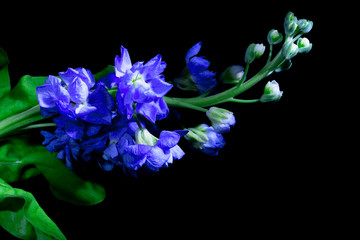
(141, 87)
(205, 139)
(196, 75)
(152, 152)
(75, 96)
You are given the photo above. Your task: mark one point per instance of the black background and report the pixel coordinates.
(263, 181)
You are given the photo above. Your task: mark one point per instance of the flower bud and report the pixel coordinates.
(254, 51)
(232, 75)
(221, 119)
(305, 25)
(144, 137)
(290, 24)
(274, 37)
(205, 139)
(289, 49)
(304, 45)
(272, 92)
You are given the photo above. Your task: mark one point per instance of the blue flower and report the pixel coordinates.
(196, 76)
(67, 149)
(221, 119)
(74, 96)
(205, 139)
(150, 151)
(141, 87)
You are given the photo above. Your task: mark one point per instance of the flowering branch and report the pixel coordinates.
(110, 118)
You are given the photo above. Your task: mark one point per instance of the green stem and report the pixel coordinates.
(244, 76)
(270, 53)
(229, 94)
(177, 102)
(20, 120)
(244, 101)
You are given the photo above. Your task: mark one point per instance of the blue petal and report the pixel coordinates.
(123, 63)
(157, 158)
(214, 144)
(111, 151)
(86, 76)
(46, 96)
(197, 65)
(103, 103)
(135, 156)
(168, 139)
(74, 129)
(162, 110)
(193, 51)
(177, 152)
(68, 76)
(78, 91)
(205, 81)
(160, 87)
(148, 110)
(48, 137)
(155, 66)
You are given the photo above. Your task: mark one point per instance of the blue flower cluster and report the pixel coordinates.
(112, 130)
(92, 125)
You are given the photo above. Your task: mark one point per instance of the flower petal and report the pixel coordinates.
(177, 152)
(78, 91)
(205, 81)
(148, 110)
(193, 51)
(160, 87)
(157, 158)
(45, 95)
(123, 63)
(168, 139)
(69, 75)
(197, 65)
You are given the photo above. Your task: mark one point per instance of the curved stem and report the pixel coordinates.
(229, 94)
(244, 101)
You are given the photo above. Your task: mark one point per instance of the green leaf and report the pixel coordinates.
(21, 215)
(4, 74)
(22, 96)
(19, 160)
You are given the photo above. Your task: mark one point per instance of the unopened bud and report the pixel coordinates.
(274, 37)
(289, 49)
(221, 119)
(232, 75)
(304, 45)
(272, 92)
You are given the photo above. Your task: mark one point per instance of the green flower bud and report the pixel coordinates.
(232, 75)
(274, 37)
(304, 45)
(254, 51)
(305, 25)
(144, 137)
(290, 24)
(259, 50)
(289, 49)
(272, 92)
(197, 135)
(250, 54)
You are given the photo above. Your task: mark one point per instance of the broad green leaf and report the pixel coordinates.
(21, 97)
(21, 215)
(19, 160)
(4, 74)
